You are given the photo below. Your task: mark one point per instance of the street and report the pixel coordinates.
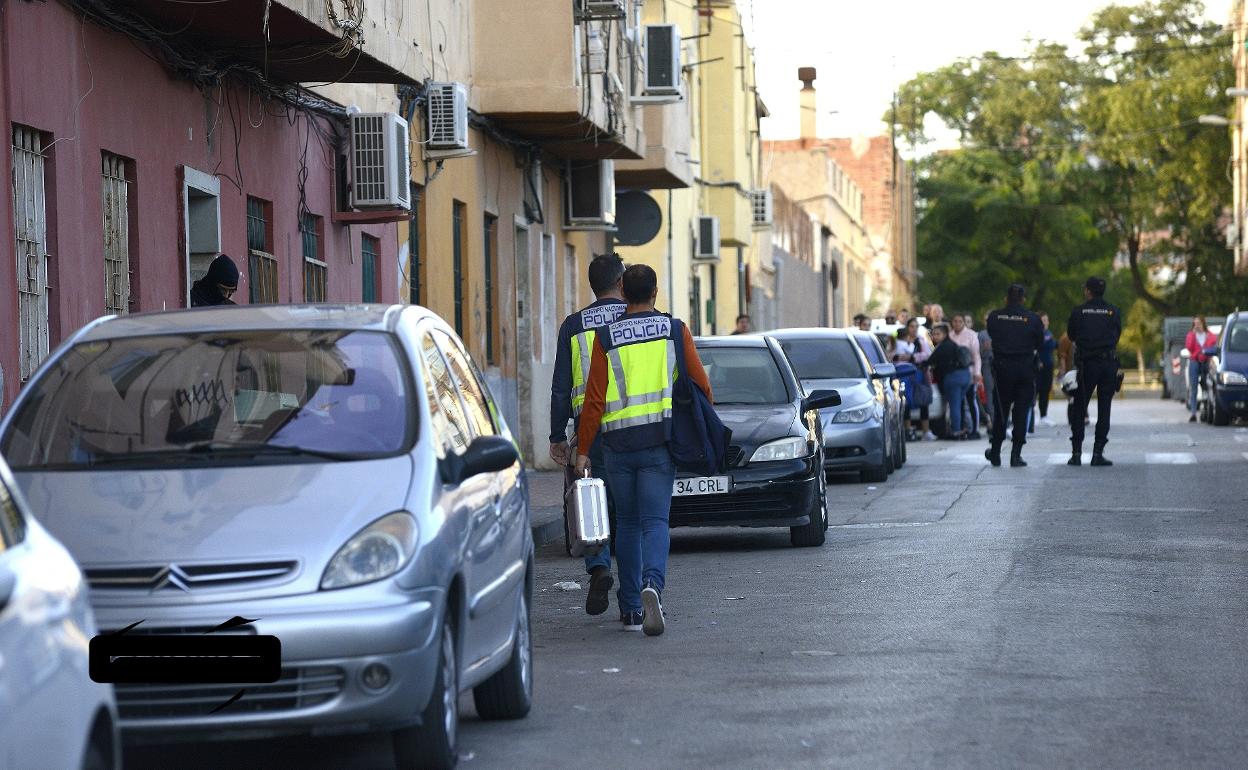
(958, 615)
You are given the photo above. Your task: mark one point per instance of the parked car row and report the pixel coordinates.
(803, 404)
(337, 477)
(1224, 389)
(341, 478)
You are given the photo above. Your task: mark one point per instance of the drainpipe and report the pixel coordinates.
(671, 280)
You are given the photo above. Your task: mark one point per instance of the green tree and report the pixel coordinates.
(1069, 159)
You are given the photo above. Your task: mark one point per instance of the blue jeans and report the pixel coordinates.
(641, 484)
(1195, 371)
(953, 387)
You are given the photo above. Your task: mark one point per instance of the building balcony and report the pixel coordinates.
(668, 142)
(563, 82)
(293, 41)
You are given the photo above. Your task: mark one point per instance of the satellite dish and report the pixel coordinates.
(638, 218)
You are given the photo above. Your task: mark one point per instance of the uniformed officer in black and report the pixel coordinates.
(1094, 327)
(1016, 334)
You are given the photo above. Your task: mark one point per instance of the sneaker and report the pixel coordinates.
(1048, 422)
(653, 621)
(929, 436)
(631, 620)
(600, 582)
(974, 436)
(1192, 418)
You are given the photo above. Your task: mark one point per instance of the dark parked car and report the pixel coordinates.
(774, 476)
(856, 435)
(1226, 384)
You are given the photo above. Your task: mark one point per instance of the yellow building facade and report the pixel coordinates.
(702, 160)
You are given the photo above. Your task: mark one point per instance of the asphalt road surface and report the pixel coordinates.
(958, 616)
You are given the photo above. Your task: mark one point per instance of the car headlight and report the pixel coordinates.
(375, 552)
(784, 449)
(1232, 378)
(860, 413)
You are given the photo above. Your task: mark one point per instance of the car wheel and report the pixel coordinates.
(812, 534)
(432, 743)
(874, 475)
(509, 693)
(97, 756)
(1219, 416)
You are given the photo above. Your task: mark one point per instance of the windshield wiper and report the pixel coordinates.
(231, 447)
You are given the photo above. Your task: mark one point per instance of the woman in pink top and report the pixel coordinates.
(1198, 339)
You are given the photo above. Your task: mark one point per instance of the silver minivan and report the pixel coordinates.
(336, 476)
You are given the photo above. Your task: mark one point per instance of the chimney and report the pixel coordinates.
(809, 108)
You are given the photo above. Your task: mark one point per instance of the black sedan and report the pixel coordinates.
(775, 464)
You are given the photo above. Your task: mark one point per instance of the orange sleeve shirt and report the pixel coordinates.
(596, 389)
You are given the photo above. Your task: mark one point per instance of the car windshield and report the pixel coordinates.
(823, 359)
(869, 349)
(216, 396)
(1237, 338)
(744, 376)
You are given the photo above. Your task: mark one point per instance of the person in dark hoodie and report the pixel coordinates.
(218, 285)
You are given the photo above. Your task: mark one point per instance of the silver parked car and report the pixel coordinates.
(51, 713)
(337, 475)
(894, 398)
(857, 435)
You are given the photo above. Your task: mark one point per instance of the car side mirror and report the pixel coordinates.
(1211, 351)
(884, 372)
(487, 454)
(821, 399)
(1185, 353)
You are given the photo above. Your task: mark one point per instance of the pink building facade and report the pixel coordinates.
(126, 180)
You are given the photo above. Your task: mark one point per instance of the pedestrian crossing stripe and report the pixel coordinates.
(1170, 458)
(1060, 458)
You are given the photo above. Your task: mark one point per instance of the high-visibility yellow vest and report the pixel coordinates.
(591, 318)
(641, 353)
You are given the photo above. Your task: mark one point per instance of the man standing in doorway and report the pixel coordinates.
(1094, 327)
(218, 285)
(743, 325)
(567, 398)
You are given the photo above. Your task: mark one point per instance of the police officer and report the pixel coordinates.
(1094, 328)
(629, 399)
(567, 397)
(1016, 334)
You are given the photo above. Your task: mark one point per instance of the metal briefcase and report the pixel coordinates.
(585, 507)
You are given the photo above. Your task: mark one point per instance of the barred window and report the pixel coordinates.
(315, 270)
(262, 265)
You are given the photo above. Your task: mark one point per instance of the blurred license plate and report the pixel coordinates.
(702, 485)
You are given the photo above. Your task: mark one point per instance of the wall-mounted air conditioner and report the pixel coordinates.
(589, 195)
(707, 248)
(446, 109)
(600, 9)
(380, 169)
(663, 73)
(761, 202)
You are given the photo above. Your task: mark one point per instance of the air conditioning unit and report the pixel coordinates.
(600, 9)
(447, 112)
(663, 73)
(380, 168)
(761, 202)
(590, 195)
(707, 248)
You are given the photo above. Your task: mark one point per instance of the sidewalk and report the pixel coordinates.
(546, 506)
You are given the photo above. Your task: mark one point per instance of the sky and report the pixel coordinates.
(863, 49)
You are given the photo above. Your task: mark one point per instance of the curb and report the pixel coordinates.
(548, 531)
